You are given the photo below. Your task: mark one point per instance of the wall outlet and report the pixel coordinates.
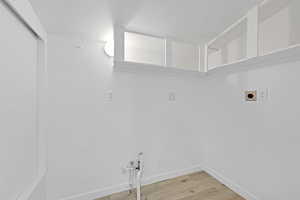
(172, 96)
(109, 96)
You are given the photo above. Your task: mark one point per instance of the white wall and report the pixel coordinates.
(255, 145)
(91, 138)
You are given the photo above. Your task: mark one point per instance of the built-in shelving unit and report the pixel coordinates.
(235, 45)
(268, 34)
(279, 25)
(228, 47)
(277, 57)
(164, 54)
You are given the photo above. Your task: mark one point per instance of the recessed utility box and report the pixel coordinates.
(251, 95)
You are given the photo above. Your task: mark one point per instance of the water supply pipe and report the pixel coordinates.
(138, 185)
(139, 171)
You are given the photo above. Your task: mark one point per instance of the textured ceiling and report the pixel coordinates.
(187, 20)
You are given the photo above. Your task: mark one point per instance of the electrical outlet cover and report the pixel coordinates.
(172, 96)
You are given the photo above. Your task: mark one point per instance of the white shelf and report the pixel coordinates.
(236, 44)
(279, 25)
(272, 36)
(277, 57)
(133, 49)
(125, 66)
(268, 34)
(290, 54)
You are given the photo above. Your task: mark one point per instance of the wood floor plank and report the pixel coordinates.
(196, 186)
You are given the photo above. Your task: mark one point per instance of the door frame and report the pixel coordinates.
(26, 14)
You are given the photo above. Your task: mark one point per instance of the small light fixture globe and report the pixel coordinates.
(109, 48)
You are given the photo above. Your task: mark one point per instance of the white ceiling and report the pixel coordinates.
(188, 20)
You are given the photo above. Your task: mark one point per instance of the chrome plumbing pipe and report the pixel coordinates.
(139, 171)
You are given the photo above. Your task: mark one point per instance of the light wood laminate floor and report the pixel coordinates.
(196, 186)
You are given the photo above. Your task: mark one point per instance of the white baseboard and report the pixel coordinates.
(172, 174)
(230, 184)
(91, 195)
(164, 176)
(124, 187)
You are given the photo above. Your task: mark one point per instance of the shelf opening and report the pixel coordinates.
(184, 56)
(279, 25)
(228, 47)
(144, 49)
